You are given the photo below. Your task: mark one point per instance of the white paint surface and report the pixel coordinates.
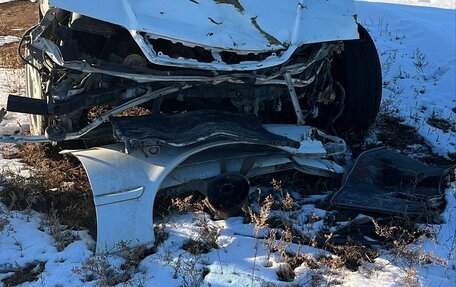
(269, 25)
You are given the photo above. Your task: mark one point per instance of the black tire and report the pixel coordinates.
(34, 90)
(359, 71)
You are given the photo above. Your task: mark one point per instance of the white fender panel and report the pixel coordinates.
(124, 185)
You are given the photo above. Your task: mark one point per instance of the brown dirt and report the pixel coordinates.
(15, 18)
(395, 135)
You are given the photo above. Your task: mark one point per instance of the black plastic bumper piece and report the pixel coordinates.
(193, 127)
(385, 182)
(26, 105)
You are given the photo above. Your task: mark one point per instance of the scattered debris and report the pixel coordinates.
(386, 182)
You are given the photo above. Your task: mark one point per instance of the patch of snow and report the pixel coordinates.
(447, 4)
(445, 244)
(418, 54)
(22, 242)
(12, 82)
(8, 39)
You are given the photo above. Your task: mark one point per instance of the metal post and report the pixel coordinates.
(294, 99)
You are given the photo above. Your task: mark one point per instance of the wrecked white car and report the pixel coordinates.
(195, 94)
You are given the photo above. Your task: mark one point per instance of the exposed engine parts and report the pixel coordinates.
(76, 77)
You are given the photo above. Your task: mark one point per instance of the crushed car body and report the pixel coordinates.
(194, 94)
(259, 34)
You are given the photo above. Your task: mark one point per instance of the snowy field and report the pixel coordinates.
(417, 43)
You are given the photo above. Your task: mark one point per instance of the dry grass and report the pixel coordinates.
(96, 112)
(31, 272)
(208, 235)
(9, 57)
(59, 184)
(442, 124)
(4, 219)
(50, 223)
(190, 269)
(396, 135)
(13, 23)
(99, 269)
(197, 247)
(286, 273)
(353, 255)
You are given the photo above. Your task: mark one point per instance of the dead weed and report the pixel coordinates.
(31, 272)
(59, 183)
(13, 23)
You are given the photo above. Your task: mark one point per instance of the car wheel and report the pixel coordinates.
(358, 71)
(34, 90)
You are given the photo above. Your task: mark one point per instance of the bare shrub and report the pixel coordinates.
(206, 240)
(97, 268)
(297, 259)
(411, 279)
(399, 232)
(185, 205)
(59, 183)
(286, 273)
(134, 256)
(192, 273)
(260, 221)
(197, 247)
(354, 255)
(51, 224)
(160, 235)
(4, 219)
(191, 270)
(331, 261)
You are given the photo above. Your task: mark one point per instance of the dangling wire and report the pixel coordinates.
(341, 105)
(21, 43)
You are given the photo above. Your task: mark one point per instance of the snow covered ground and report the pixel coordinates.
(417, 43)
(448, 4)
(418, 53)
(12, 81)
(8, 39)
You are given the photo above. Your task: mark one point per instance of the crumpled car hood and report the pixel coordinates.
(239, 25)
